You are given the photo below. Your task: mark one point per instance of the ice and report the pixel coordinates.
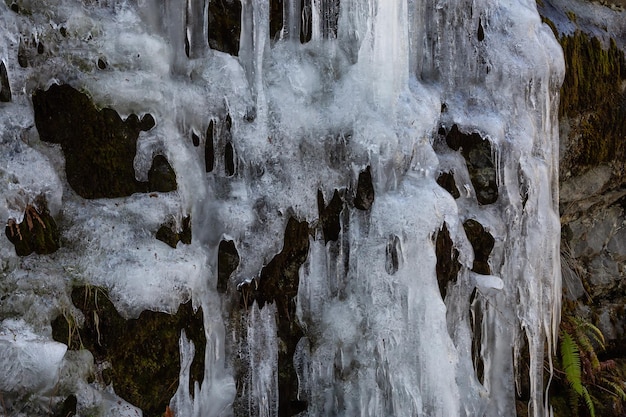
(376, 89)
(30, 363)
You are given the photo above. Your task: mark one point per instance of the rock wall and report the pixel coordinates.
(593, 178)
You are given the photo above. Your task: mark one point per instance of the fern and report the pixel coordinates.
(589, 402)
(618, 389)
(570, 359)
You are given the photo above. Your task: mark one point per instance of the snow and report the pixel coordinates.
(385, 344)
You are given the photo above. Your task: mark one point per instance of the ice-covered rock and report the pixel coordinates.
(316, 153)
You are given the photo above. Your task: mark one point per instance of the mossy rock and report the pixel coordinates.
(38, 232)
(593, 101)
(143, 352)
(99, 146)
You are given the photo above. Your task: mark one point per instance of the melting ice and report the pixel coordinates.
(425, 130)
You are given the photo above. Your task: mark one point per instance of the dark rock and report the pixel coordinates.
(446, 181)
(22, 56)
(195, 139)
(227, 262)
(276, 18)
(393, 255)
(479, 161)
(225, 25)
(37, 233)
(5, 88)
(364, 190)
(68, 408)
(278, 283)
(306, 24)
(40, 48)
(161, 176)
(329, 215)
(143, 353)
(102, 64)
(99, 147)
(482, 241)
(229, 160)
(147, 122)
(447, 266)
(209, 148)
(167, 233)
(476, 323)
(481, 32)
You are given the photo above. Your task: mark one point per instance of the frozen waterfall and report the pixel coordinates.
(371, 189)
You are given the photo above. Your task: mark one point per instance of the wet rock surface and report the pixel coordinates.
(479, 160)
(99, 146)
(139, 357)
(592, 117)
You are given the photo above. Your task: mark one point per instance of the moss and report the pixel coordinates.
(99, 146)
(551, 24)
(37, 233)
(593, 101)
(571, 16)
(143, 352)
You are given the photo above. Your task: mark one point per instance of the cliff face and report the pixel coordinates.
(592, 118)
(268, 207)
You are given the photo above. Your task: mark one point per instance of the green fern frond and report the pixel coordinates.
(618, 389)
(586, 327)
(570, 359)
(588, 402)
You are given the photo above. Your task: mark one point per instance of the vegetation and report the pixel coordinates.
(38, 232)
(584, 385)
(592, 101)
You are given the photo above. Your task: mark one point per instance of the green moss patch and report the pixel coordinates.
(594, 102)
(143, 352)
